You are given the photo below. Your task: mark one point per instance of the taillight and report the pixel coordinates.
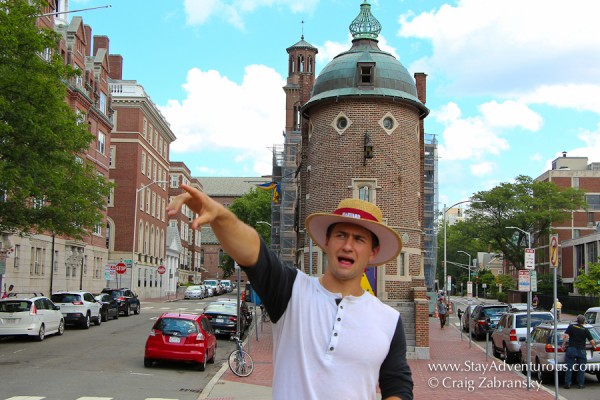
(233, 319)
(550, 349)
(513, 335)
(33, 310)
(209, 317)
(77, 303)
(200, 337)
(121, 299)
(481, 322)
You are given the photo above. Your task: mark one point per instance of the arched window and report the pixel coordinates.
(310, 64)
(300, 63)
(292, 68)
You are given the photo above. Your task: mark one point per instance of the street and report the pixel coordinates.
(104, 362)
(592, 386)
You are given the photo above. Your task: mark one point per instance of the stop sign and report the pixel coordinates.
(161, 270)
(121, 268)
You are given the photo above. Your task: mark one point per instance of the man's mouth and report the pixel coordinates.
(347, 261)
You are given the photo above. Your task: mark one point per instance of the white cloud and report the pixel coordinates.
(218, 114)
(487, 46)
(483, 168)
(510, 114)
(579, 97)
(536, 157)
(199, 11)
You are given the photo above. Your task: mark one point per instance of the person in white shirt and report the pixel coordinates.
(331, 338)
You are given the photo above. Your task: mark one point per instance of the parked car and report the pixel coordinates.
(518, 307)
(465, 317)
(36, 316)
(592, 317)
(226, 283)
(485, 317)
(181, 337)
(511, 327)
(232, 302)
(128, 300)
(25, 295)
(542, 351)
(78, 307)
(214, 285)
(223, 318)
(194, 292)
(110, 307)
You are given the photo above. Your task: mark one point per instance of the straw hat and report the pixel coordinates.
(361, 213)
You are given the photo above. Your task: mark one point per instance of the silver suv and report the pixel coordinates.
(78, 307)
(542, 351)
(511, 327)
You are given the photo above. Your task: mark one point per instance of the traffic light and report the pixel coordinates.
(477, 279)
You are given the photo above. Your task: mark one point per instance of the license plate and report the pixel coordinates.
(220, 320)
(11, 321)
(174, 339)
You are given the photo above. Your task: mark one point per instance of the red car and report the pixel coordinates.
(181, 337)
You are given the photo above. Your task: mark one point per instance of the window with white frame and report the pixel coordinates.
(17, 255)
(97, 230)
(153, 212)
(174, 180)
(402, 264)
(364, 189)
(113, 157)
(101, 142)
(145, 128)
(149, 170)
(111, 195)
(148, 199)
(103, 103)
(143, 162)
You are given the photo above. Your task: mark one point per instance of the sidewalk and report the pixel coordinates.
(473, 377)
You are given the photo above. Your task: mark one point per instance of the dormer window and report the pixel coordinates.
(366, 74)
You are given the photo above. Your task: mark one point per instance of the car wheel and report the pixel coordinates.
(495, 350)
(541, 375)
(104, 316)
(137, 309)
(98, 319)
(117, 314)
(508, 356)
(214, 355)
(86, 322)
(148, 362)
(127, 310)
(61, 327)
(202, 365)
(41, 333)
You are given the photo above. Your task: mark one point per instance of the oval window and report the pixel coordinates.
(342, 123)
(388, 123)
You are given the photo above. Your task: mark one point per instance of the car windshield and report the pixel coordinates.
(14, 306)
(115, 294)
(220, 309)
(494, 311)
(175, 326)
(210, 283)
(536, 319)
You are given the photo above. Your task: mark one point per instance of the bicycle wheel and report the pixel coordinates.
(241, 363)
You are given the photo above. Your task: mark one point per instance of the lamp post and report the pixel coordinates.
(528, 312)
(464, 252)
(135, 225)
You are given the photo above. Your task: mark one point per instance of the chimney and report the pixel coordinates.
(421, 83)
(564, 153)
(115, 63)
(88, 39)
(101, 42)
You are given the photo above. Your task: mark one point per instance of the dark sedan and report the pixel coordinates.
(110, 307)
(223, 319)
(128, 300)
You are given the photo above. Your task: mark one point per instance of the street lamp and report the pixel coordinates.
(444, 219)
(464, 252)
(529, 314)
(135, 225)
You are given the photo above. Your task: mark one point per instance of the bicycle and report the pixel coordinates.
(239, 361)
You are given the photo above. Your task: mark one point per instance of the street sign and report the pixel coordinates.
(529, 258)
(469, 289)
(533, 278)
(161, 270)
(129, 263)
(524, 280)
(554, 251)
(121, 268)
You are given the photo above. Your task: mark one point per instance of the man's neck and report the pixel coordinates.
(345, 288)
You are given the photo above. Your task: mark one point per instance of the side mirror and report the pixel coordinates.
(57, 307)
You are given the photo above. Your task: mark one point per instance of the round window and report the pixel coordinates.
(388, 123)
(342, 123)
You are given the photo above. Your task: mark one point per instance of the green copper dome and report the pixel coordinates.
(342, 76)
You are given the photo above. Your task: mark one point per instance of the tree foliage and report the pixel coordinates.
(251, 208)
(46, 182)
(533, 206)
(588, 283)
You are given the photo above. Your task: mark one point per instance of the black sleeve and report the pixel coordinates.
(395, 378)
(272, 281)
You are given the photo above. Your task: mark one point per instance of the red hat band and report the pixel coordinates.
(355, 213)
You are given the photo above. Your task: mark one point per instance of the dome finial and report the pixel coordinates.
(365, 25)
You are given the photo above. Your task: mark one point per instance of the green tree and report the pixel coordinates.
(588, 283)
(46, 182)
(546, 285)
(251, 208)
(530, 205)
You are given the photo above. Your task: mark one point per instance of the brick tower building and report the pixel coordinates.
(363, 137)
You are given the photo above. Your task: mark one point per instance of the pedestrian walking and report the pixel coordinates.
(318, 322)
(558, 306)
(442, 309)
(534, 302)
(574, 340)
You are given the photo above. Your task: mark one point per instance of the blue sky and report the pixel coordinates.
(511, 84)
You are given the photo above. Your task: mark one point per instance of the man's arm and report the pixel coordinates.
(239, 240)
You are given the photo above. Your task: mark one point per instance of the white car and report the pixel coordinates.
(194, 292)
(510, 329)
(37, 316)
(78, 307)
(592, 317)
(227, 284)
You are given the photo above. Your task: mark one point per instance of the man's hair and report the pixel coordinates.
(580, 319)
(374, 237)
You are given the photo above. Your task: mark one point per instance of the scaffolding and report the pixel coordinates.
(430, 209)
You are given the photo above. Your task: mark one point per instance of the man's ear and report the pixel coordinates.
(374, 253)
